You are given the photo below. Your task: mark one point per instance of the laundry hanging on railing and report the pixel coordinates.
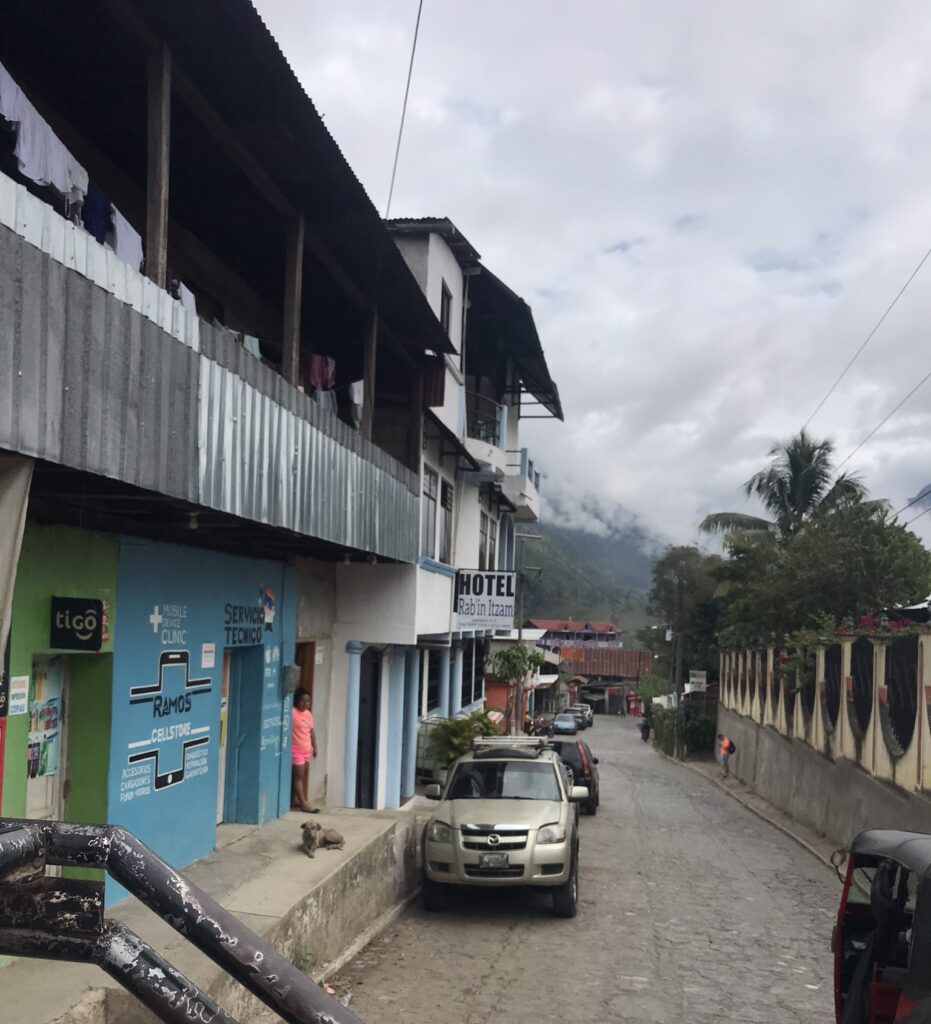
(97, 213)
(356, 398)
(127, 242)
(322, 372)
(40, 154)
(326, 400)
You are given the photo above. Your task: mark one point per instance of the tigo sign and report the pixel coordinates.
(484, 600)
(77, 624)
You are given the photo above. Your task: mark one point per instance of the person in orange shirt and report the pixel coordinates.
(724, 756)
(303, 748)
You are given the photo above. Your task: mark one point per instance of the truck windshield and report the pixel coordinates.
(503, 780)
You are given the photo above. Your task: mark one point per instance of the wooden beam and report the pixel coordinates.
(229, 140)
(416, 422)
(157, 170)
(368, 397)
(293, 280)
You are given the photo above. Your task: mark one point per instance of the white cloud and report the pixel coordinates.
(761, 172)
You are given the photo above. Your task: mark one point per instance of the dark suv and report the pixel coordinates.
(582, 764)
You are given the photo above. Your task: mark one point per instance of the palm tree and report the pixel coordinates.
(798, 483)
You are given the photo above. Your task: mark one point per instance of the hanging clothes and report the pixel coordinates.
(40, 154)
(96, 213)
(326, 400)
(356, 398)
(322, 372)
(251, 344)
(127, 242)
(186, 297)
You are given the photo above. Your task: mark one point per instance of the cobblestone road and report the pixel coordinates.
(693, 910)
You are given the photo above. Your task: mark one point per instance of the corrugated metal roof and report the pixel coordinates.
(611, 662)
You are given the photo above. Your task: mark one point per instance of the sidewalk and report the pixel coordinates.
(312, 909)
(817, 845)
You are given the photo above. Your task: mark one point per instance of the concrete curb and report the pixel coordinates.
(361, 941)
(784, 829)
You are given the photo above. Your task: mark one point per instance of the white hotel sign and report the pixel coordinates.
(484, 600)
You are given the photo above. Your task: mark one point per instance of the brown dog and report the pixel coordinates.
(315, 837)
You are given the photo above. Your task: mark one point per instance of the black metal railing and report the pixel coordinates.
(63, 919)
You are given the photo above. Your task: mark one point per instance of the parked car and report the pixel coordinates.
(523, 783)
(565, 724)
(582, 766)
(586, 710)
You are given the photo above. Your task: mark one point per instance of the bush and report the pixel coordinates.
(664, 729)
(698, 732)
(452, 737)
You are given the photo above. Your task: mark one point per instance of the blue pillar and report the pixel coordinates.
(455, 686)
(395, 728)
(443, 707)
(409, 739)
(354, 650)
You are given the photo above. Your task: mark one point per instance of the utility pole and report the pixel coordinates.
(521, 571)
(680, 654)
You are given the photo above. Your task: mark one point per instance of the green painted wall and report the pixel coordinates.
(61, 561)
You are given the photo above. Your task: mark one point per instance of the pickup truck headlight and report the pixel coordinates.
(554, 833)
(439, 832)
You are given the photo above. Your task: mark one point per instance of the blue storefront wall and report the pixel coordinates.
(180, 610)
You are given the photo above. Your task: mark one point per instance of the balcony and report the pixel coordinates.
(521, 486)
(104, 373)
(486, 424)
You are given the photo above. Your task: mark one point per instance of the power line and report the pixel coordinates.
(868, 338)
(920, 514)
(407, 90)
(885, 419)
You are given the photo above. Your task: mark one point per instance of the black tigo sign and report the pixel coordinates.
(77, 624)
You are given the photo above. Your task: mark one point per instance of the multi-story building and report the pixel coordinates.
(560, 633)
(212, 363)
(249, 432)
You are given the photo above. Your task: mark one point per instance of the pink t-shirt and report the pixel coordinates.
(301, 724)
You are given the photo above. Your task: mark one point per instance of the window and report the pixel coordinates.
(483, 542)
(446, 522)
(478, 686)
(446, 309)
(492, 543)
(468, 671)
(430, 489)
(433, 680)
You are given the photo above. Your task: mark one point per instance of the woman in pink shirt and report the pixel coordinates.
(303, 747)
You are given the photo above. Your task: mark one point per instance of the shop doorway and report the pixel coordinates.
(47, 759)
(306, 658)
(367, 757)
(240, 734)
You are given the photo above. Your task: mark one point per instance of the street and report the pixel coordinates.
(693, 910)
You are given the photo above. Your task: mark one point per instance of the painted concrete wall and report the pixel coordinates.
(442, 267)
(467, 528)
(434, 602)
(166, 714)
(375, 604)
(836, 798)
(62, 562)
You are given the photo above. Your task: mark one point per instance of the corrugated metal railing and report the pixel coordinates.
(102, 371)
(62, 919)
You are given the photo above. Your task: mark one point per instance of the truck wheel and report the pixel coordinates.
(591, 806)
(566, 897)
(434, 896)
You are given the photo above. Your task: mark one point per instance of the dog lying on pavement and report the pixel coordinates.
(315, 837)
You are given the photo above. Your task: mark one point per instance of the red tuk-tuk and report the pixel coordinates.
(882, 939)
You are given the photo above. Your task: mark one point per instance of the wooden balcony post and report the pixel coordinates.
(157, 169)
(371, 352)
(293, 281)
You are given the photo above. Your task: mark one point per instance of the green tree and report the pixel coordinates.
(683, 597)
(798, 484)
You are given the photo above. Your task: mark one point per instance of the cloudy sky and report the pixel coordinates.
(708, 205)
